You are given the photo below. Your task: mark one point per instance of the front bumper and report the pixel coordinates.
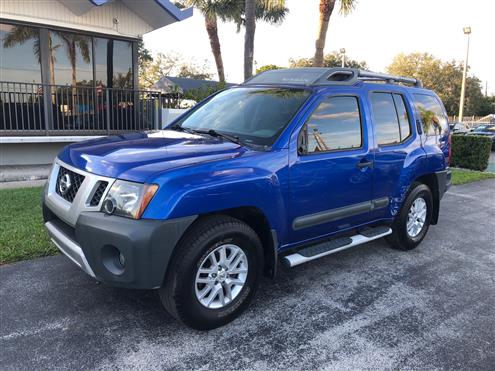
(99, 243)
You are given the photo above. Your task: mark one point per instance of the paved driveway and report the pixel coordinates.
(366, 308)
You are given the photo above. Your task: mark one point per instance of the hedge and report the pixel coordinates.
(471, 151)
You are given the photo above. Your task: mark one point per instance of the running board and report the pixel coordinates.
(332, 246)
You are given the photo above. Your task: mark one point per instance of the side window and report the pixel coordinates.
(432, 115)
(385, 118)
(334, 125)
(404, 122)
(392, 124)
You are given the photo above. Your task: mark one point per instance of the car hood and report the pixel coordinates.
(139, 156)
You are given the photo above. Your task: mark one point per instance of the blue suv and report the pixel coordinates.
(290, 166)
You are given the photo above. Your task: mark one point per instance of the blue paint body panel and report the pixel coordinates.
(199, 174)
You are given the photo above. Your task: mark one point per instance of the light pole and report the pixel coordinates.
(342, 51)
(467, 31)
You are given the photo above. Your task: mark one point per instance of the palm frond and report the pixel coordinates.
(347, 6)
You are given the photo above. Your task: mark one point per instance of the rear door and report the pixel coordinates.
(395, 139)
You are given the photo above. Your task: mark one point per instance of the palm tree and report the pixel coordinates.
(247, 13)
(326, 9)
(213, 9)
(250, 23)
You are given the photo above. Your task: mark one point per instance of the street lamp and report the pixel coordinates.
(342, 51)
(467, 31)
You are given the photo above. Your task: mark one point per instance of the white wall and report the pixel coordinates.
(97, 19)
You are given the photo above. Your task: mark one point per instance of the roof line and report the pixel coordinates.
(178, 14)
(175, 12)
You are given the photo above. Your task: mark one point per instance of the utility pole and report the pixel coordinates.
(467, 31)
(342, 51)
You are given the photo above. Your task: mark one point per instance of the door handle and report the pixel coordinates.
(364, 163)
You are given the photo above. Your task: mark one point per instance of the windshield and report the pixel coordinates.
(254, 115)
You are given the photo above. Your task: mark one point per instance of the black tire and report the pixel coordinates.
(178, 294)
(400, 239)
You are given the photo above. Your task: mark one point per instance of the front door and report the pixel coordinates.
(331, 170)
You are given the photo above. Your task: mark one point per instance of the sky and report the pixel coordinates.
(375, 32)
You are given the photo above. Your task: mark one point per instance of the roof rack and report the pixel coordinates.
(373, 76)
(316, 76)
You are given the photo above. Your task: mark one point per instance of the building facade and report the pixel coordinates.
(69, 68)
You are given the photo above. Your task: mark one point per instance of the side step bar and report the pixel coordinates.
(332, 246)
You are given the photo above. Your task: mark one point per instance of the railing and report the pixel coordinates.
(38, 109)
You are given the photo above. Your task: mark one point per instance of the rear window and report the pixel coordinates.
(390, 118)
(432, 115)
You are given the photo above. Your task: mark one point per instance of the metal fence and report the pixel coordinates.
(38, 109)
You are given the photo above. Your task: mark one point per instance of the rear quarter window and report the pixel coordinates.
(432, 115)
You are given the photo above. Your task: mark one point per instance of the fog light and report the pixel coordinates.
(113, 259)
(122, 260)
(108, 206)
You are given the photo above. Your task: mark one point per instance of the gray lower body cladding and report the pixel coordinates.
(146, 246)
(444, 180)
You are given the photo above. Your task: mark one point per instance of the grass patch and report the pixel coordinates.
(22, 234)
(462, 176)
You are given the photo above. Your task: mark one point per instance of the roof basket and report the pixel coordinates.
(316, 76)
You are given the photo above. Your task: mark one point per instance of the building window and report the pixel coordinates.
(334, 125)
(122, 64)
(101, 60)
(20, 58)
(113, 63)
(71, 57)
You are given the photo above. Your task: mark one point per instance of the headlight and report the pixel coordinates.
(128, 199)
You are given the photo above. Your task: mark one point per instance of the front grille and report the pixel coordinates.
(95, 200)
(75, 180)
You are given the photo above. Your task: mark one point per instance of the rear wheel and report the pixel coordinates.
(413, 220)
(215, 273)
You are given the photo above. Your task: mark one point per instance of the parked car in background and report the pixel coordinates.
(458, 128)
(485, 130)
(290, 166)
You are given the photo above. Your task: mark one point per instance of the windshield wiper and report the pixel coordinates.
(181, 128)
(214, 133)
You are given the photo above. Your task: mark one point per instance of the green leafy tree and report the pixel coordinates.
(445, 78)
(171, 64)
(330, 60)
(144, 60)
(326, 10)
(268, 67)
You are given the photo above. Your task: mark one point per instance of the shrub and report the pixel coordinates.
(471, 151)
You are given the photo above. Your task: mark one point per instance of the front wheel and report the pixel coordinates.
(412, 222)
(215, 273)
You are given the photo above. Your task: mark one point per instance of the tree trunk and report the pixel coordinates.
(326, 9)
(250, 14)
(212, 29)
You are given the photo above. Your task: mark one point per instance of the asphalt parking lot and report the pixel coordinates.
(366, 308)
